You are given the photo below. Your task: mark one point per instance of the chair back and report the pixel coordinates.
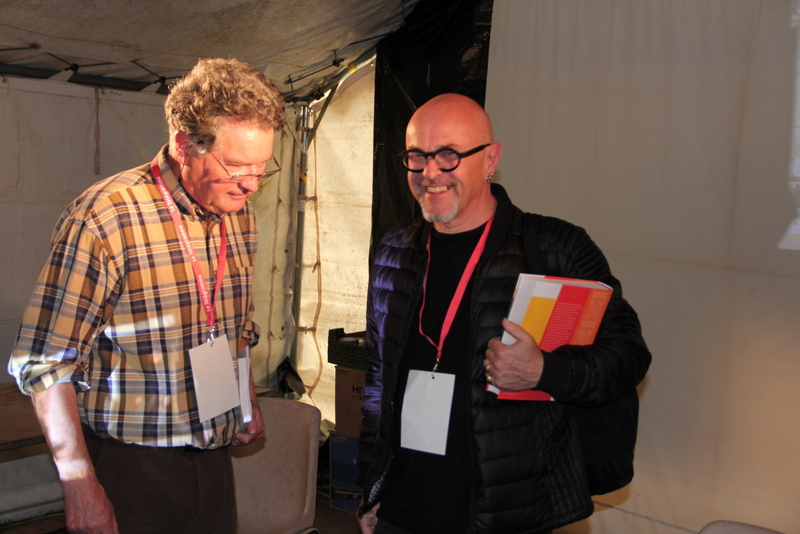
(276, 476)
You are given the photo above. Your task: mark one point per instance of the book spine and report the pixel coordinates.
(564, 317)
(589, 322)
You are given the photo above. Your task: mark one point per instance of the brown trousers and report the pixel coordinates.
(169, 490)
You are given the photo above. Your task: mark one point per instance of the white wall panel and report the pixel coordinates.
(664, 128)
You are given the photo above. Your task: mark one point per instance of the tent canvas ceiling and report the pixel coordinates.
(142, 41)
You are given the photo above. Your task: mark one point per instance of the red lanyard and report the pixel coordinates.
(459, 294)
(205, 297)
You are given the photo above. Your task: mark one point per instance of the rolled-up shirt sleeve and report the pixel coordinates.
(73, 297)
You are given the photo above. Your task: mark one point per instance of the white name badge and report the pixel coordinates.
(426, 411)
(214, 378)
(244, 384)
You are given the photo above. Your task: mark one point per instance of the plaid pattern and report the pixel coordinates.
(116, 308)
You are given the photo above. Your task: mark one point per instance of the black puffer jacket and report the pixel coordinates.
(528, 475)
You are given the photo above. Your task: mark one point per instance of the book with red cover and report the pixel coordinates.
(555, 311)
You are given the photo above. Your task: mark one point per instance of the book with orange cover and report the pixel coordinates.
(555, 311)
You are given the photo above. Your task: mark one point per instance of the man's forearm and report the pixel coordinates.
(57, 411)
(86, 505)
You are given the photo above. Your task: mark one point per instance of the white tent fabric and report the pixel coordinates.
(335, 245)
(664, 128)
(308, 41)
(55, 140)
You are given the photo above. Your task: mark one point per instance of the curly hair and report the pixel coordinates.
(218, 89)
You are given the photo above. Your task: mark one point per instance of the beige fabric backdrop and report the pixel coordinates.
(664, 128)
(56, 139)
(336, 245)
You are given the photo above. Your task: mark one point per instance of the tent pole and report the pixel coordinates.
(305, 140)
(306, 136)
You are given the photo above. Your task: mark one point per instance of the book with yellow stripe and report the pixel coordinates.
(556, 312)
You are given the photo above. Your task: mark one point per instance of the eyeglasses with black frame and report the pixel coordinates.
(446, 158)
(262, 177)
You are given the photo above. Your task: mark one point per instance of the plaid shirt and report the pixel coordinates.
(116, 308)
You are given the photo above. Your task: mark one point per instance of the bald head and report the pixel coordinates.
(454, 111)
(451, 136)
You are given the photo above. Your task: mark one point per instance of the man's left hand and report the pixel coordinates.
(514, 367)
(255, 428)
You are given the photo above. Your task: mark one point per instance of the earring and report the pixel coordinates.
(489, 179)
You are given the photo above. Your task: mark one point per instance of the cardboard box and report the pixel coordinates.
(347, 349)
(345, 473)
(345, 500)
(349, 392)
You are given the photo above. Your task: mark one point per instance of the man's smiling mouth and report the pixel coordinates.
(437, 188)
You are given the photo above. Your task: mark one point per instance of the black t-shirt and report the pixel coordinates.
(428, 493)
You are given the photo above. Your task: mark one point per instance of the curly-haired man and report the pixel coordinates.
(135, 340)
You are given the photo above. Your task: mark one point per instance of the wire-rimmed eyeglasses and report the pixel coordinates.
(261, 177)
(446, 158)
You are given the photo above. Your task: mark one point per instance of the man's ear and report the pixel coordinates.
(493, 153)
(183, 146)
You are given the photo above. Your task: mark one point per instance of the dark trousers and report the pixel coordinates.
(169, 490)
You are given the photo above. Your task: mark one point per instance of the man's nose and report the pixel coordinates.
(250, 183)
(431, 167)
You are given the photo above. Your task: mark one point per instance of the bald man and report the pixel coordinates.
(439, 452)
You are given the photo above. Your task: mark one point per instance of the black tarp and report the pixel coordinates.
(443, 47)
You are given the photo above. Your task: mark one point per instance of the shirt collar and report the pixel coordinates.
(182, 199)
